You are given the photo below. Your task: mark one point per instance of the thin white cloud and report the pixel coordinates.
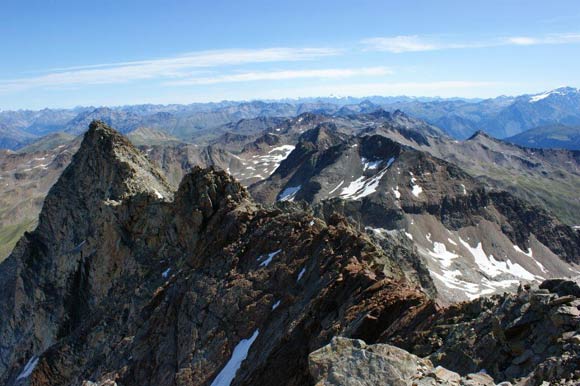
(521, 41)
(416, 43)
(173, 67)
(569, 38)
(329, 73)
(398, 44)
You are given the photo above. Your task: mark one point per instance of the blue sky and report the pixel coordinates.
(70, 53)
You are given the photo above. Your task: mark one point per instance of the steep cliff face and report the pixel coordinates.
(126, 281)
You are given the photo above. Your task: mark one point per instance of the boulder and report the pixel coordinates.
(352, 362)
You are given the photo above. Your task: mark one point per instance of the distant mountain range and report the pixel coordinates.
(500, 117)
(553, 136)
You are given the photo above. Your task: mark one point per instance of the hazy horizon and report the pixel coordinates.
(289, 100)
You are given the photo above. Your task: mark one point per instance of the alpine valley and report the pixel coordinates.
(321, 241)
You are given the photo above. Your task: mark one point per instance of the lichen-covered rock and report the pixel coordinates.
(348, 362)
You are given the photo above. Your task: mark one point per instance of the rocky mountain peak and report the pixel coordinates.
(322, 136)
(208, 189)
(567, 90)
(106, 170)
(375, 147)
(382, 114)
(100, 133)
(399, 113)
(479, 134)
(307, 117)
(108, 167)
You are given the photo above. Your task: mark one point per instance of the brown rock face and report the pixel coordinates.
(127, 282)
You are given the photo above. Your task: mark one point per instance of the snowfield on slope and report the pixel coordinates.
(240, 353)
(362, 186)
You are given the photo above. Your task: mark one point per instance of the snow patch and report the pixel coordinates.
(337, 186)
(362, 187)
(451, 280)
(416, 189)
(240, 353)
(396, 192)
(528, 253)
(286, 149)
(28, 369)
(443, 256)
(266, 262)
(373, 165)
(493, 267)
(275, 305)
(539, 97)
(271, 161)
(370, 165)
(289, 193)
(165, 273)
(302, 272)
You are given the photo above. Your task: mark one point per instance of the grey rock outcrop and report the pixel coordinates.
(348, 362)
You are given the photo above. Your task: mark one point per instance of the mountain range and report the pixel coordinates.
(251, 152)
(500, 117)
(553, 136)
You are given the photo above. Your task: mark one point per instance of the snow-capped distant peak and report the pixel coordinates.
(558, 91)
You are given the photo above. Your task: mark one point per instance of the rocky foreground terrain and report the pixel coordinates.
(127, 280)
